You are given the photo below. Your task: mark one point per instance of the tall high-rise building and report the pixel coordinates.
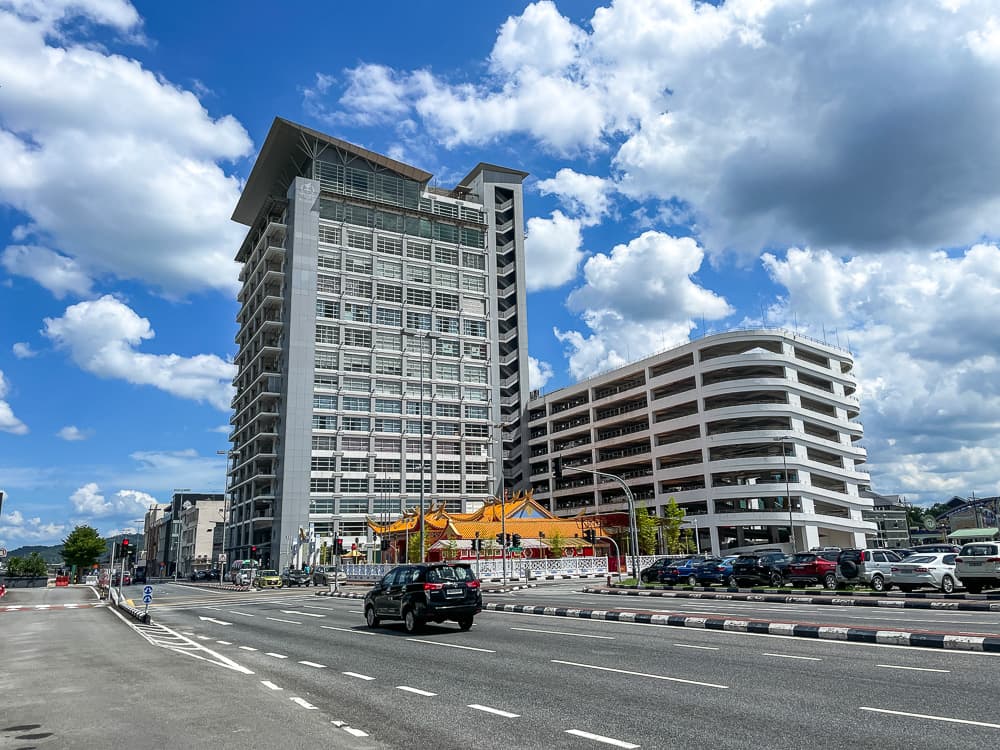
(382, 339)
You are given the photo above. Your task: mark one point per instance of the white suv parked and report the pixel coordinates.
(978, 565)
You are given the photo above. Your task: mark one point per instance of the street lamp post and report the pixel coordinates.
(633, 525)
(788, 496)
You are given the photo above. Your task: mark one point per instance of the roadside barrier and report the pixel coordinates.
(119, 602)
(764, 627)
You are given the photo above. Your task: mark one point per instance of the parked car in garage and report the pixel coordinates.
(978, 566)
(936, 570)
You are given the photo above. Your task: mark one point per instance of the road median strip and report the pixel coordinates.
(947, 641)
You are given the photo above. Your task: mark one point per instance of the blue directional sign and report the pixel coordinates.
(147, 591)
(147, 598)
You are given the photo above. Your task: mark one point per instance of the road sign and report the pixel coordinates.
(147, 591)
(3, 552)
(147, 598)
(222, 557)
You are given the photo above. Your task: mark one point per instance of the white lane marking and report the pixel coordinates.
(313, 606)
(913, 669)
(303, 614)
(789, 656)
(418, 691)
(563, 632)
(355, 612)
(929, 716)
(276, 656)
(244, 614)
(290, 622)
(212, 619)
(355, 732)
(601, 738)
(703, 648)
(497, 711)
(303, 702)
(313, 664)
(346, 630)
(225, 643)
(204, 638)
(248, 648)
(641, 674)
(359, 676)
(452, 645)
(270, 685)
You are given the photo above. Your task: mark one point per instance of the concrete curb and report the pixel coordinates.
(132, 612)
(990, 644)
(503, 590)
(836, 601)
(341, 594)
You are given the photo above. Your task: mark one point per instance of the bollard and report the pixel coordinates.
(609, 579)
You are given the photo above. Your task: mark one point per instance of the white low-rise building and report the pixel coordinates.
(729, 426)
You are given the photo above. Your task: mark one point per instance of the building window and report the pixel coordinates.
(357, 287)
(358, 337)
(450, 486)
(358, 264)
(359, 241)
(327, 334)
(474, 260)
(446, 448)
(477, 394)
(324, 421)
(390, 245)
(446, 324)
(449, 467)
(475, 351)
(354, 464)
(387, 445)
(356, 403)
(387, 485)
(388, 269)
(418, 320)
(358, 385)
(418, 251)
(418, 297)
(388, 388)
(328, 261)
(383, 424)
(329, 235)
(447, 391)
(327, 309)
(324, 401)
(353, 486)
(472, 283)
(445, 301)
(327, 284)
(476, 487)
(387, 316)
(354, 442)
(388, 366)
(389, 293)
(450, 429)
(474, 328)
(447, 410)
(477, 430)
(477, 412)
(321, 484)
(387, 465)
(447, 370)
(324, 443)
(413, 486)
(357, 313)
(325, 360)
(475, 374)
(357, 362)
(447, 279)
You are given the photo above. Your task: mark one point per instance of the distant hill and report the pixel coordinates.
(51, 554)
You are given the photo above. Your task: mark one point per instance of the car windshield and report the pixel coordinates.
(803, 558)
(268, 573)
(979, 550)
(921, 559)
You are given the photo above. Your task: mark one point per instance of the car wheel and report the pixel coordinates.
(370, 617)
(948, 584)
(692, 581)
(411, 623)
(878, 583)
(830, 581)
(465, 623)
(973, 588)
(742, 582)
(776, 580)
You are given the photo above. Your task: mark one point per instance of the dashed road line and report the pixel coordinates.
(302, 614)
(276, 656)
(357, 675)
(640, 674)
(702, 648)
(270, 685)
(913, 669)
(347, 630)
(497, 711)
(931, 717)
(290, 622)
(313, 664)
(355, 732)
(452, 645)
(789, 656)
(248, 648)
(563, 632)
(303, 702)
(243, 614)
(225, 643)
(416, 691)
(601, 738)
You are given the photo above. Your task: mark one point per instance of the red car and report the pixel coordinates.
(815, 568)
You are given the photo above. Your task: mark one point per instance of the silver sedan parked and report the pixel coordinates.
(936, 570)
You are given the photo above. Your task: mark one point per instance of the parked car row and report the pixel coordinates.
(940, 566)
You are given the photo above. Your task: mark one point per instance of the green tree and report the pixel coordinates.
(556, 544)
(673, 517)
(414, 548)
(83, 547)
(33, 565)
(646, 524)
(450, 551)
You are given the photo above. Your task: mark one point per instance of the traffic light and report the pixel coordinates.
(516, 540)
(508, 540)
(557, 467)
(500, 539)
(338, 546)
(125, 548)
(253, 553)
(590, 535)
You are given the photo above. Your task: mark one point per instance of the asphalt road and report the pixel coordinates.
(75, 675)
(545, 682)
(935, 620)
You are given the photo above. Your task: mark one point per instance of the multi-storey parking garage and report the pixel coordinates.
(754, 433)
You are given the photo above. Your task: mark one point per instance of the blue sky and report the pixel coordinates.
(694, 168)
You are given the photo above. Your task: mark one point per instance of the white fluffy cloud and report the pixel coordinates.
(639, 299)
(23, 350)
(585, 196)
(114, 166)
(8, 422)
(774, 123)
(15, 528)
(72, 433)
(552, 250)
(923, 330)
(539, 373)
(89, 501)
(101, 337)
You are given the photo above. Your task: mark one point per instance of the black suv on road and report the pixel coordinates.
(761, 567)
(416, 594)
(293, 577)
